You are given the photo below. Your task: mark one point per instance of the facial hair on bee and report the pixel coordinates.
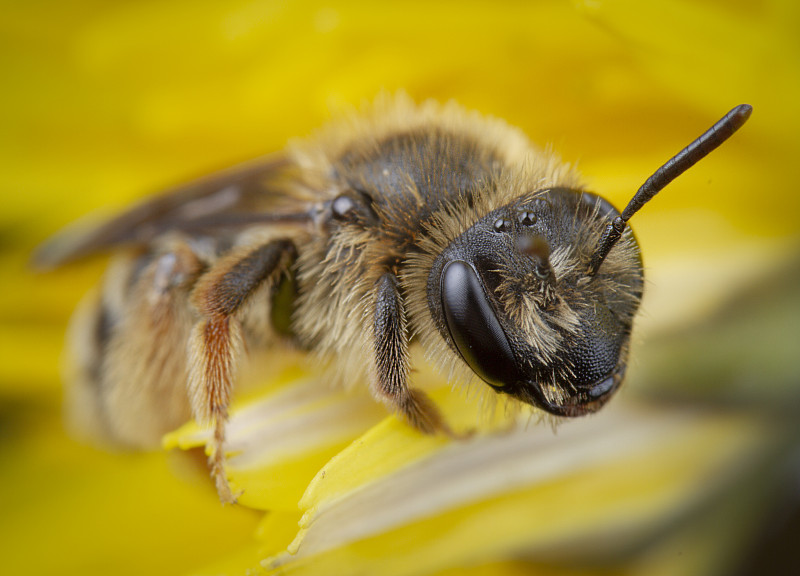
(405, 224)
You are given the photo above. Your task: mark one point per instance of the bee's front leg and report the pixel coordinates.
(216, 343)
(390, 343)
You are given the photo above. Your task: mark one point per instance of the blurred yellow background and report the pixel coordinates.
(102, 103)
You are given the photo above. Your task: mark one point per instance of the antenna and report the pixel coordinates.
(673, 168)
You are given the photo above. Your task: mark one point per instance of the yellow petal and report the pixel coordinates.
(598, 484)
(277, 442)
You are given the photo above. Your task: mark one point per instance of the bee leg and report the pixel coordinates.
(390, 341)
(216, 343)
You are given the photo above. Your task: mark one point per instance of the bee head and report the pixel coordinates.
(513, 297)
(538, 296)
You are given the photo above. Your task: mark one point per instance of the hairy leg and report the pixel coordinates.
(216, 344)
(390, 343)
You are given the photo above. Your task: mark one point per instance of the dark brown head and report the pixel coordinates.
(538, 297)
(513, 298)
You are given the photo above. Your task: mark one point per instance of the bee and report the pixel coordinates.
(407, 223)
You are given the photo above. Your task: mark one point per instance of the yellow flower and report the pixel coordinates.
(104, 103)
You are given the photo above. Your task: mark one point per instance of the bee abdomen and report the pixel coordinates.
(90, 334)
(129, 349)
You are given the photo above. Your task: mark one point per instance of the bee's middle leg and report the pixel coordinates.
(390, 343)
(216, 343)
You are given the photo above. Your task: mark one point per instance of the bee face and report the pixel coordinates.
(513, 298)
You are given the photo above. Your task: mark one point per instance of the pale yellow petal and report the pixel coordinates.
(598, 483)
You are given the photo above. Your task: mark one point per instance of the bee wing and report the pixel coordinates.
(245, 194)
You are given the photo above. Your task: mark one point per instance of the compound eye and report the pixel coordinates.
(473, 326)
